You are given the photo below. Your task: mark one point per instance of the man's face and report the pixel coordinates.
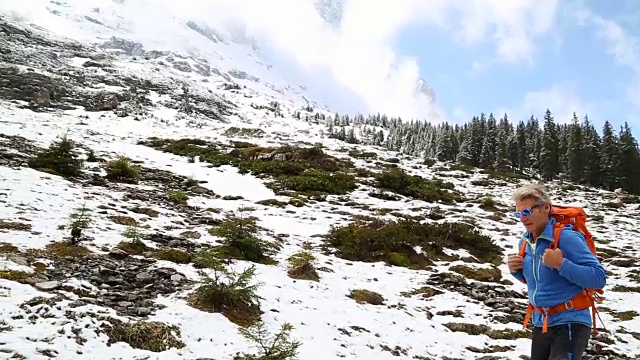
(538, 217)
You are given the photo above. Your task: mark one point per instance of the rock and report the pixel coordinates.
(143, 311)
(91, 63)
(127, 284)
(175, 243)
(144, 277)
(102, 102)
(14, 150)
(97, 180)
(34, 88)
(47, 285)
(199, 190)
(503, 301)
(182, 66)
(20, 260)
(177, 278)
(42, 97)
(119, 254)
(127, 46)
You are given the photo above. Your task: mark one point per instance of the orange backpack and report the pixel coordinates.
(576, 216)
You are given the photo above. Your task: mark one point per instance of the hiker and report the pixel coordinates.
(561, 281)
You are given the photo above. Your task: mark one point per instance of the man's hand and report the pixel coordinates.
(552, 258)
(514, 262)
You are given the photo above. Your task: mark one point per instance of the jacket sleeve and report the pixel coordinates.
(519, 275)
(580, 265)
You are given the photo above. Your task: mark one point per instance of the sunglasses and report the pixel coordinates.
(526, 212)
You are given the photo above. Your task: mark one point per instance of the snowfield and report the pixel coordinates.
(74, 301)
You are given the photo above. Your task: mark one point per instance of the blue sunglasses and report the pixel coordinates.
(525, 212)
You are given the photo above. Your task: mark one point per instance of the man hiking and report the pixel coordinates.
(557, 262)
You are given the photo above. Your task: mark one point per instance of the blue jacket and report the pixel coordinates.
(547, 287)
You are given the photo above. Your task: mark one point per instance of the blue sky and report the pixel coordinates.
(587, 59)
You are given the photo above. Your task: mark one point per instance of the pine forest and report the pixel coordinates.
(551, 150)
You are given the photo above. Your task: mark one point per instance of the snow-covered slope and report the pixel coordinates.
(111, 297)
(227, 49)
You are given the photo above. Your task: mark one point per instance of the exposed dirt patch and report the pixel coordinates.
(14, 226)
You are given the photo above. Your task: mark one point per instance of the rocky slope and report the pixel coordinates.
(157, 207)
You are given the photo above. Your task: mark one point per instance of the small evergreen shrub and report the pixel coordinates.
(80, 220)
(60, 159)
(177, 197)
(135, 245)
(488, 204)
(312, 181)
(241, 239)
(230, 293)
(122, 170)
(277, 347)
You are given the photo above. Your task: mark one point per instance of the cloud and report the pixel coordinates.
(514, 25)
(562, 99)
(359, 50)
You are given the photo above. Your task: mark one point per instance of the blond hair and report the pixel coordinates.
(535, 191)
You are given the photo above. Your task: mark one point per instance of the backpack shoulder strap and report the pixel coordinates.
(557, 231)
(523, 247)
(522, 252)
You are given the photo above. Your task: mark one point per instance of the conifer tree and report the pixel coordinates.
(521, 144)
(575, 151)
(592, 149)
(502, 160)
(550, 161)
(629, 164)
(610, 157)
(533, 144)
(488, 150)
(465, 156)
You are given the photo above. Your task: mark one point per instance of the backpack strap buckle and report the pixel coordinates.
(568, 305)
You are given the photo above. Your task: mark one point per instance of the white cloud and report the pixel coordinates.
(358, 52)
(514, 25)
(562, 99)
